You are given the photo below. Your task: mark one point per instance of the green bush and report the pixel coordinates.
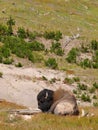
(85, 98)
(3, 30)
(94, 97)
(36, 46)
(8, 61)
(49, 35)
(94, 45)
(75, 91)
(18, 64)
(44, 78)
(53, 80)
(51, 62)
(6, 52)
(84, 48)
(31, 57)
(76, 79)
(1, 58)
(10, 23)
(59, 52)
(92, 90)
(95, 65)
(68, 81)
(58, 35)
(21, 32)
(95, 104)
(31, 35)
(72, 55)
(1, 74)
(53, 35)
(82, 86)
(95, 57)
(19, 47)
(56, 48)
(86, 63)
(95, 85)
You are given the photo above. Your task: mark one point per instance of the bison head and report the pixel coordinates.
(45, 99)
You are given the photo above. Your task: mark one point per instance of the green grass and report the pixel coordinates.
(54, 15)
(49, 122)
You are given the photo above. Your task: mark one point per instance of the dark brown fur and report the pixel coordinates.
(62, 95)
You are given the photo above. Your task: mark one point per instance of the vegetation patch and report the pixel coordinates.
(51, 63)
(1, 74)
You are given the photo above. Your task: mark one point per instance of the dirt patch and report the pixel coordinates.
(21, 85)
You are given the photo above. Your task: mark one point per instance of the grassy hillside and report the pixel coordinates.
(68, 16)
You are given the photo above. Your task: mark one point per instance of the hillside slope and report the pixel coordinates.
(21, 85)
(68, 16)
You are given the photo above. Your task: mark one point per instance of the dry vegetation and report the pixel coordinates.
(62, 15)
(47, 121)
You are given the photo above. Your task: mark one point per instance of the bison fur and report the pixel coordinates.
(59, 102)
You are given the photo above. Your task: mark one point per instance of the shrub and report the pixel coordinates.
(49, 35)
(53, 80)
(94, 45)
(51, 62)
(92, 90)
(95, 104)
(1, 58)
(8, 61)
(82, 86)
(21, 32)
(19, 47)
(76, 79)
(94, 97)
(56, 48)
(75, 91)
(31, 35)
(58, 35)
(36, 46)
(95, 85)
(1, 74)
(5, 52)
(95, 65)
(3, 30)
(44, 78)
(84, 48)
(10, 23)
(53, 35)
(85, 98)
(59, 52)
(68, 81)
(95, 58)
(18, 64)
(86, 63)
(55, 45)
(72, 55)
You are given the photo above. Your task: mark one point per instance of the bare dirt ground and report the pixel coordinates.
(21, 85)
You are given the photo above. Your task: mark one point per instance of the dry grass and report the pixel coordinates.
(48, 121)
(7, 105)
(66, 16)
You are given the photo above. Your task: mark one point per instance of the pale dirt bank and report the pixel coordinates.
(21, 85)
